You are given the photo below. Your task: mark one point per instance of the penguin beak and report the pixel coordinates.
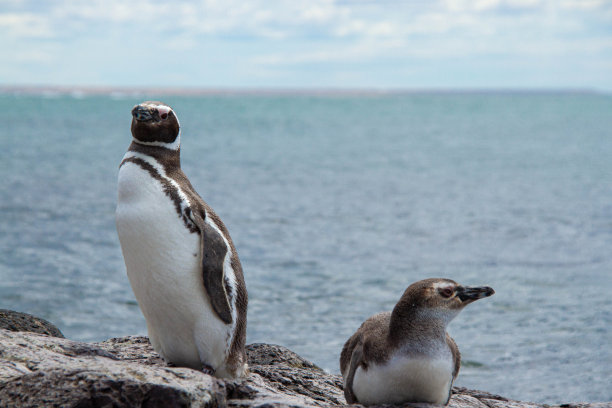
(469, 294)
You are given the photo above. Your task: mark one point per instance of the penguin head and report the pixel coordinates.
(155, 123)
(441, 297)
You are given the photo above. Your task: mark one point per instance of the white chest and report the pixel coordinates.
(150, 229)
(405, 379)
(162, 259)
(161, 254)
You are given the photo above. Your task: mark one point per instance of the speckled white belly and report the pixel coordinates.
(162, 259)
(405, 379)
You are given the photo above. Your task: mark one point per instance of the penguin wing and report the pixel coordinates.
(456, 355)
(214, 250)
(356, 360)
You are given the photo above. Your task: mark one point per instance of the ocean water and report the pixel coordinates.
(336, 203)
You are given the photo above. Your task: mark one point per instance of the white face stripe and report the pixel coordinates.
(444, 285)
(172, 146)
(163, 109)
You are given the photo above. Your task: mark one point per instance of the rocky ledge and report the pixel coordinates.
(43, 370)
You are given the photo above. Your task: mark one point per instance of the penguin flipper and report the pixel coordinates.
(456, 361)
(356, 360)
(456, 355)
(214, 250)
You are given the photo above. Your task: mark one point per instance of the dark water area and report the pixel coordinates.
(336, 203)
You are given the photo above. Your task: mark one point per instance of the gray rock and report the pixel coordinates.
(17, 321)
(38, 370)
(284, 373)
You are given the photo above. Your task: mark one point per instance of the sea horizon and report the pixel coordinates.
(132, 91)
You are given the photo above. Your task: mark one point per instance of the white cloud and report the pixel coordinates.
(331, 53)
(25, 25)
(32, 56)
(288, 34)
(583, 4)
(323, 12)
(484, 5)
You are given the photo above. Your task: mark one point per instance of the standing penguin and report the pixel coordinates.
(180, 260)
(406, 355)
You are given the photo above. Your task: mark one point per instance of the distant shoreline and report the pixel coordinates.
(81, 91)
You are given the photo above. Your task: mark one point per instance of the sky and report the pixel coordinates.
(420, 44)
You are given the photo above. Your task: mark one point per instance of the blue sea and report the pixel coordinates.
(336, 203)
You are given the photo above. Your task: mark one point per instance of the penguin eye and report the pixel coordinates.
(446, 292)
(164, 116)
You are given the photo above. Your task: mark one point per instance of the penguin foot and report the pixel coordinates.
(206, 369)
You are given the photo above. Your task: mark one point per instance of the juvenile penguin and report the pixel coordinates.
(406, 355)
(180, 260)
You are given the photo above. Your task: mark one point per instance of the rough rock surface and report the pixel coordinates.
(17, 321)
(39, 370)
